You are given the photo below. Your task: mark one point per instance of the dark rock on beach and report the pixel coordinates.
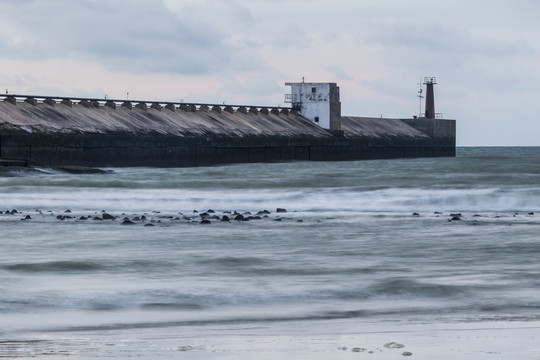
(281, 210)
(205, 221)
(225, 218)
(107, 216)
(127, 221)
(82, 170)
(239, 217)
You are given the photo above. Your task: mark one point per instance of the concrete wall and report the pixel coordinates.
(100, 135)
(158, 150)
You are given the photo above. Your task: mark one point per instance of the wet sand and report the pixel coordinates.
(309, 340)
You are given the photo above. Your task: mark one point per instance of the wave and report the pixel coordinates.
(335, 199)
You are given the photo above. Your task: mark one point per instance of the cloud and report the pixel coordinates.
(435, 38)
(122, 35)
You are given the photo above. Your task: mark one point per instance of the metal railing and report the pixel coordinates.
(98, 102)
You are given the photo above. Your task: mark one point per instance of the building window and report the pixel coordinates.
(314, 90)
(316, 118)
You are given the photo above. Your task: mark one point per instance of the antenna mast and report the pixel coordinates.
(420, 96)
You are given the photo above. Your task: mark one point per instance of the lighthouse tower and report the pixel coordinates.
(430, 98)
(318, 102)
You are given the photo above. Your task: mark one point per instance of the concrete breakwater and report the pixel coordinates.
(50, 131)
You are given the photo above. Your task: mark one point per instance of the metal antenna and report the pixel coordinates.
(420, 96)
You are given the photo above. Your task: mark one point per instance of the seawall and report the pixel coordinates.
(106, 133)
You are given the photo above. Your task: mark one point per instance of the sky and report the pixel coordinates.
(485, 55)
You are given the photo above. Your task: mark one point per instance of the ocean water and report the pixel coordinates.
(358, 247)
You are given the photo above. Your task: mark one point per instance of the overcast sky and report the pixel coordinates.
(484, 54)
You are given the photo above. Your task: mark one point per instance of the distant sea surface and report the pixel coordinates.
(359, 244)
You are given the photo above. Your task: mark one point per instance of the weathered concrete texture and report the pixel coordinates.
(156, 136)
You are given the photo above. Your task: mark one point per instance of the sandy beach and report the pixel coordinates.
(313, 340)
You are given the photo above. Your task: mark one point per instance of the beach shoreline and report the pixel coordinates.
(339, 339)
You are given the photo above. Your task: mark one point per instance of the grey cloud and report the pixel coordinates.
(435, 38)
(135, 36)
(339, 73)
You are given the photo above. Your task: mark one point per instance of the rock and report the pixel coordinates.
(415, 214)
(205, 221)
(14, 211)
(456, 214)
(149, 224)
(60, 217)
(455, 218)
(406, 353)
(531, 213)
(27, 217)
(126, 221)
(239, 217)
(83, 218)
(393, 345)
(210, 211)
(299, 220)
(97, 218)
(278, 219)
(254, 218)
(106, 216)
(225, 218)
(143, 218)
(438, 213)
(67, 211)
(281, 210)
(358, 349)
(263, 212)
(83, 170)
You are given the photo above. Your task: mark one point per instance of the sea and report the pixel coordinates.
(286, 260)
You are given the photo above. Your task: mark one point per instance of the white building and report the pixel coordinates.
(318, 102)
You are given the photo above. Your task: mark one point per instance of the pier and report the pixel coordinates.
(93, 132)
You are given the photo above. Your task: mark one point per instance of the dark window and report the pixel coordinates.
(313, 90)
(316, 118)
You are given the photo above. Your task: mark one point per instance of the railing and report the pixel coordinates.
(99, 102)
(291, 98)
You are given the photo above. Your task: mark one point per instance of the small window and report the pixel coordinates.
(316, 118)
(313, 90)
